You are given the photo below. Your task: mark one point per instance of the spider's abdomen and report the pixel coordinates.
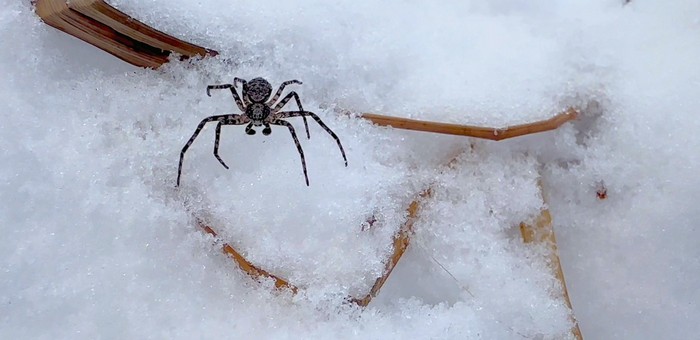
(257, 112)
(257, 90)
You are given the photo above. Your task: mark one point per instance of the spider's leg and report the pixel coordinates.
(239, 80)
(289, 114)
(279, 91)
(267, 130)
(233, 120)
(233, 92)
(194, 136)
(243, 89)
(216, 145)
(284, 102)
(296, 142)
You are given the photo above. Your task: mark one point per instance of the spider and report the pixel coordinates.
(259, 111)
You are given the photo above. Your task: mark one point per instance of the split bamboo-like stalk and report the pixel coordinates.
(109, 29)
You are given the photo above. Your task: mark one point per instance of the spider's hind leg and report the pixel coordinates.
(289, 114)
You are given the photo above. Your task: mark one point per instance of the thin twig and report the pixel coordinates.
(473, 131)
(245, 265)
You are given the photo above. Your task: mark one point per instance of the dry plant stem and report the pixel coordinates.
(473, 131)
(245, 265)
(541, 232)
(105, 27)
(401, 242)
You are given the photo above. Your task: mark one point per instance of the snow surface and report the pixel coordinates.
(96, 242)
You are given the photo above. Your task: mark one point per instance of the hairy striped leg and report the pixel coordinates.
(233, 92)
(285, 100)
(296, 142)
(243, 82)
(240, 120)
(289, 114)
(233, 119)
(239, 80)
(280, 89)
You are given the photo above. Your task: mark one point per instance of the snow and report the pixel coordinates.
(97, 244)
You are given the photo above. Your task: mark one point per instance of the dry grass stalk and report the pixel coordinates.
(473, 131)
(540, 231)
(401, 241)
(245, 265)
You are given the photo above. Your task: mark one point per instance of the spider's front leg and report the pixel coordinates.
(239, 80)
(289, 114)
(239, 103)
(296, 142)
(232, 119)
(243, 89)
(280, 89)
(286, 99)
(284, 102)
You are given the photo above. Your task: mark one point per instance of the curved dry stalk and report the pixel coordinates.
(540, 231)
(400, 243)
(473, 131)
(245, 265)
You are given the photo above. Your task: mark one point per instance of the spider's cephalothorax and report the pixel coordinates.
(259, 111)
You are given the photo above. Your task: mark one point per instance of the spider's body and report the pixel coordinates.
(259, 111)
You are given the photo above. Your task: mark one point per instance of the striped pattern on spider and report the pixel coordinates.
(259, 111)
